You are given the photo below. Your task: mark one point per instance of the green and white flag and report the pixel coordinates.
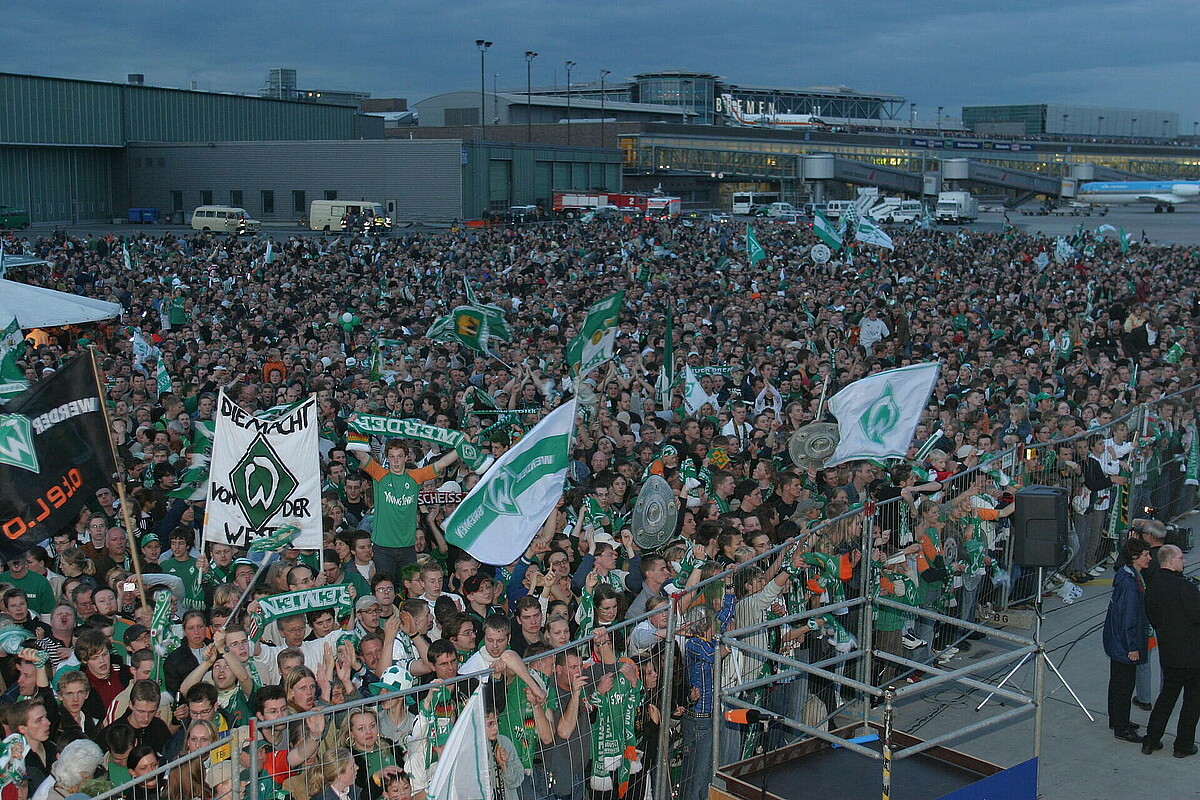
(464, 770)
(1192, 466)
(1124, 239)
(473, 327)
(12, 343)
(265, 475)
(193, 482)
(594, 343)
(1175, 354)
(877, 415)
(870, 233)
(666, 371)
(826, 231)
(754, 250)
(162, 380)
(269, 258)
(694, 396)
(125, 253)
(498, 519)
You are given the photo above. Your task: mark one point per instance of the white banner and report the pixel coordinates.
(878, 414)
(464, 771)
(264, 472)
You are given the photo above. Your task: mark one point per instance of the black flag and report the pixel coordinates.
(54, 453)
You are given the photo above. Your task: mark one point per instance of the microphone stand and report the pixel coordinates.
(762, 754)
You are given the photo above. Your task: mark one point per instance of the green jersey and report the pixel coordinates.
(37, 590)
(396, 504)
(189, 573)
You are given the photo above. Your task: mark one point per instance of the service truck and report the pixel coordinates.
(956, 208)
(894, 209)
(574, 204)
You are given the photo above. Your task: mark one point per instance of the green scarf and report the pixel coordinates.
(471, 455)
(613, 747)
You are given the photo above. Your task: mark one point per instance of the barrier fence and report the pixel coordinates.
(812, 630)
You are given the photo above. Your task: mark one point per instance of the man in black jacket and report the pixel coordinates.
(1173, 606)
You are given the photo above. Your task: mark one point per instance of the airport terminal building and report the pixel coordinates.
(79, 151)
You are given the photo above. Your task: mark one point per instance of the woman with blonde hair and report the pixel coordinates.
(186, 781)
(74, 562)
(338, 775)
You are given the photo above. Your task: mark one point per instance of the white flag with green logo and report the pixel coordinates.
(594, 343)
(12, 341)
(694, 396)
(464, 770)
(870, 233)
(878, 415)
(826, 231)
(264, 473)
(498, 519)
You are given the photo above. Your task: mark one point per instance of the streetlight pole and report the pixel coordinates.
(495, 102)
(1064, 130)
(1166, 122)
(603, 74)
(912, 114)
(1133, 128)
(939, 118)
(570, 65)
(1100, 126)
(483, 48)
(529, 57)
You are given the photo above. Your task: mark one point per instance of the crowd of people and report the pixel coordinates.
(116, 681)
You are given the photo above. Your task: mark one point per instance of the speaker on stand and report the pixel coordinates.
(1039, 527)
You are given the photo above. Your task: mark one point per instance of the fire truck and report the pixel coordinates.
(573, 204)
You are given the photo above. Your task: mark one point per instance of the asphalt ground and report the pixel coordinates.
(1080, 759)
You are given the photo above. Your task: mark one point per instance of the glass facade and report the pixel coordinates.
(694, 91)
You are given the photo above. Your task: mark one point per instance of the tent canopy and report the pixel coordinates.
(35, 307)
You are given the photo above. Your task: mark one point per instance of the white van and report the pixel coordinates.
(835, 208)
(331, 215)
(229, 219)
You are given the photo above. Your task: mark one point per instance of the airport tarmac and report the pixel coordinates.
(1080, 759)
(1180, 227)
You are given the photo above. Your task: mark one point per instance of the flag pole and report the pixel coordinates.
(125, 515)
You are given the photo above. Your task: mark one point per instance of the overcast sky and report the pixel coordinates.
(1125, 54)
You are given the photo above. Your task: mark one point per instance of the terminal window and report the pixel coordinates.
(268, 201)
(235, 197)
(298, 204)
(331, 194)
(206, 197)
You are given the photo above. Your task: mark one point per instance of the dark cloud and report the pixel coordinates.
(934, 53)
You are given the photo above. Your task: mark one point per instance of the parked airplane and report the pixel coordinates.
(734, 108)
(1163, 194)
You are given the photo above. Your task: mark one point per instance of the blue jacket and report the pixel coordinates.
(1126, 626)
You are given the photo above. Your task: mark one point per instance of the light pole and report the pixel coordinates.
(604, 73)
(912, 114)
(939, 118)
(1064, 130)
(483, 48)
(685, 90)
(570, 65)
(1166, 122)
(529, 57)
(1133, 128)
(1100, 126)
(495, 102)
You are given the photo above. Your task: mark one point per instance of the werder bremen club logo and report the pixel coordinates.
(881, 417)
(16, 442)
(261, 482)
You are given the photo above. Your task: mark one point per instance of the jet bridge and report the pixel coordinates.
(972, 171)
(828, 167)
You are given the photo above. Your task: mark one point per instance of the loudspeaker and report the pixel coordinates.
(1039, 526)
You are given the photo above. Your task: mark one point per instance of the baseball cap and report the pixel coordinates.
(475, 583)
(365, 602)
(133, 632)
(150, 537)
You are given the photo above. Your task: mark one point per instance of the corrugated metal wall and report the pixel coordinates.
(421, 179)
(58, 184)
(497, 175)
(40, 110)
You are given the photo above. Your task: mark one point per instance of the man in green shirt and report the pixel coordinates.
(394, 533)
(184, 567)
(37, 589)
